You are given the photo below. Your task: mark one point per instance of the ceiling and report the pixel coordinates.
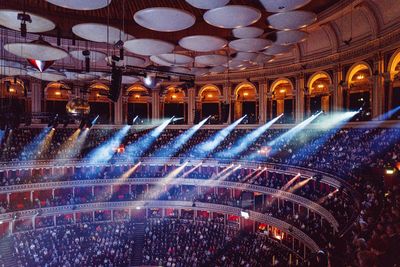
(65, 19)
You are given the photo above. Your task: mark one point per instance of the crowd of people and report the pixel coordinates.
(108, 244)
(350, 153)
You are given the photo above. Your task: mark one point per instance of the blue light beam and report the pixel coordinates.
(107, 150)
(177, 143)
(247, 140)
(206, 147)
(139, 147)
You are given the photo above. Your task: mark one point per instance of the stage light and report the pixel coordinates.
(247, 140)
(139, 147)
(390, 171)
(34, 146)
(208, 146)
(106, 151)
(148, 80)
(388, 115)
(177, 143)
(292, 132)
(191, 170)
(244, 214)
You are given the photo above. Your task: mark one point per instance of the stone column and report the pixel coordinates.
(227, 99)
(378, 89)
(299, 90)
(155, 104)
(337, 89)
(191, 105)
(118, 118)
(36, 96)
(262, 113)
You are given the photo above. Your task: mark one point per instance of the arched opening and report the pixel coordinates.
(359, 91)
(57, 96)
(100, 105)
(393, 90)
(13, 95)
(174, 104)
(319, 95)
(139, 103)
(246, 103)
(209, 97)
(283, 100)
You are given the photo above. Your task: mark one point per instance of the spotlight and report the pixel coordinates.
(24, 18)
(245, 214)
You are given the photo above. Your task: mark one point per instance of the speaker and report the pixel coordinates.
(225, 112)
(115, 88)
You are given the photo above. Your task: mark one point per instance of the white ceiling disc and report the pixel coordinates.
(100, 33)
(50, 76)
(129, 79)
(262, 58)
(239, 65)
(276, 6)
(81, 4)
(85, 76)
(245, 56)
(199, 71)
(12, 71)
(287, 37)
(247, 32)
(207, 4)
(211, 60)
(171, 60)
(94, 55)
(36, 51)
(125, 79)
(217, 69)
(180, 70)
(292, 20)
(148, 47)
(276, 50)
(128, 61)
(202, 43)
(250, 44)
(232, 16)
(9, 63)
(8, 19)
(164, 19)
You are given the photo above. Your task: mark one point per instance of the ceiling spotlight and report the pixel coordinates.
(24, 18)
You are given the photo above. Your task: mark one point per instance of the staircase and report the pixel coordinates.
(6, 251)
(138, 236)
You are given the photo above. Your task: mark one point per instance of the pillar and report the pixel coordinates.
(191, 105)
(262, 106)
(118, 117)
(155, 104)
(338, 84)
(378, 89)
(227, 99)
(36, 96)
(300, 87)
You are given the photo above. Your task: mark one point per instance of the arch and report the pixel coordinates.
(393, 63)
(137, 93)
(15, 88)
(280, 81)
(244, 85)
(98, 92)
(332, 35)
(373, 19)
(57, 91)
(356, 67)
(209, 92)
(174, 94)
(317, 76)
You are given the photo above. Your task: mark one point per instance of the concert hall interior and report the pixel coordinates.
(200, 133)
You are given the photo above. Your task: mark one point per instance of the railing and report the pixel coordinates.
(255, 216)
(195, 182)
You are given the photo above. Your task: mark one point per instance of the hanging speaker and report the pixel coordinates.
(115, 88)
